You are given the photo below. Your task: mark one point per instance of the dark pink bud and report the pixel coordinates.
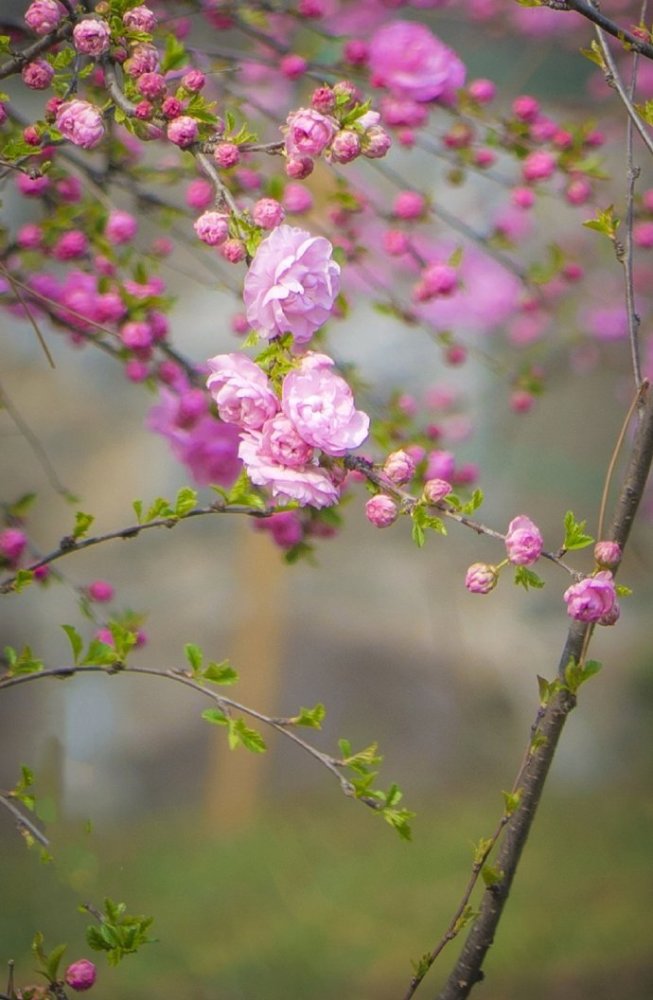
(81, 975)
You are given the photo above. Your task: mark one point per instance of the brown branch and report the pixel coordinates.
(468, 969)
(20, 59)
(593, 14)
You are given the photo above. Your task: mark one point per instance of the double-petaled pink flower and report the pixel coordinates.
(593, 599)
(524, 542)
(320, 405)
(413, 63)
(291, 285)
(241, 391)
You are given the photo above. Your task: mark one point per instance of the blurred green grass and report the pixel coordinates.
(321, 901)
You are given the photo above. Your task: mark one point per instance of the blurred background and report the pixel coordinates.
(264, 882)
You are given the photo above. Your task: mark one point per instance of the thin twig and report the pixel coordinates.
(22, 821)
(35, 445)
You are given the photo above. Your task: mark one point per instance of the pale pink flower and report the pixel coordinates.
(80, 123)
(309, 485)
(412, 62)
(399, 466)
(308, 132)
(381, 511)
(139, 19)
(524, 542)
(593, 599)
(282, 442)
(321, 406)
(241, 390)
(291, 285)
(91, 36)
(43, 16)
(481, 578)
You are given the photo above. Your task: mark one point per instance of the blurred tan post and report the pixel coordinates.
(234, 778)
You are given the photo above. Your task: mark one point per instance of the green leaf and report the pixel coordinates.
(215, 717)
(575, 536)
(99, 654)
(399, 821)
(527, 578)
(623, 591)
(576, 674)
(241, 735)
(194, 656)
(159, 508)
(220, 673)
(174, 54)
(138, 510)
(491, 875)
(186, 501)
(476, 500)
(53, 961)
(511, 801)
(605, 222)
(23, 662)
(75, 640)
(82, 523)
(21, 507)
(310, 717)
(22, 580)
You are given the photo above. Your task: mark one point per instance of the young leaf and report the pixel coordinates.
(82, 523)
(215, 717)
(22, 579)
(194, 656)
(75, 640)
(311, 717)
(575, 536)
(527, 578)
(241, 735)
(220, 673)
(138, 510)
(185, 502)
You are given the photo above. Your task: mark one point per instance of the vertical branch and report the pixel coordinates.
(468, 969)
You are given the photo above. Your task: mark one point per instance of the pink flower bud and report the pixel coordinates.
(81, 975)
(436, 490)
(43, 16)
(345, 147)
(523, 197)
(381, 511)
(293, 66)
(323, 100)
(194, 80)
(607, 554)
(152, 86)
(524, 542)
(593, 599)
(226, 154)
(399, 467)
(539, 166)
(100, 591)
(481, 578)
(139, 19)
(234, 251)
(38, 74)
(268, 213)
(643, 234)
(299, 167)
(121, 227)
(356, 51)
(183, 131)
(482, 91)
(526, 108)
(212, 228)
(91, 36)
(80, 123)
(297, 199)
(12, 545)
(409, 205)
(199, 193)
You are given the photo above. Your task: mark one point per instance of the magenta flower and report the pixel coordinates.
(81, 975)
(183, 131)
(121, 227)
(43, 16)
(12, 545)
(309, 485)
(593, 599)
(139, 19)
(206, 446)
(80, 123)
(321, 406)
(291, 284)
(413, 63)
(37, 74)
(241, 390)
(308, 132)
(524, 542)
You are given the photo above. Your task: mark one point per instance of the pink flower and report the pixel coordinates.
(412, 62)
(308, 132)
(593, 599)
(436, 490)
(309, 485)
(206, 446)
(284, 445)
(321, 406)
(297, 199)
(80, 123)
(183, 131)
(524, 542)
(80, 975)
(481, 578)
(43, 16)
(139, 19)
(607, 554)
(71, 245)
(241, 390)
(199, 193)
(268, 213)
(12, 545)
(381, 511)
(539, 166)
(143, 59)
(291, 284)
(286, 528)
(212, 228)
(226, 154)
(37, 74)
(100, 591)
(399, 467)
(91, 36)
(121, 227)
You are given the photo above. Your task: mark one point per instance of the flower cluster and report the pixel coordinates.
(280, 438)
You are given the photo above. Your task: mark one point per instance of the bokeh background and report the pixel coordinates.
(264, 882)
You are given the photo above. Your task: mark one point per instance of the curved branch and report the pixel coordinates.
(22, 821)
(593, 14)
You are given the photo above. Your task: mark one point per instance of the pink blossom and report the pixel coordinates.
(139, 19)
(482, 90)
(43, 16)
(206, 446)
(80, 123)
(100, 591)
(524, 542)
(226, 154)
(32, 187)
(309, 485)
(409, 205)
(152, 86)
(297, 199)
(233, 250)
(29, 236)
(37, 74)
(241, 390)
(321, 406)
(376, 143)
(412, 62)
(71, 245)
(183, 131)
(308, 132)
(539, 166)
(593, 599)
(212, 228)
(607, 554)
(81, 975)
(91, 36)
(440, 465)
(268, 213)
(199, 193)
(293, 66)
(194, 80)
(399, 467)
(436, 490)
(381, 511)
(120, 227)
(345, 147)
(12, 545)
(144, 58)
(284, 445)
(291, 284)
(481, 578)
(285, 527)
